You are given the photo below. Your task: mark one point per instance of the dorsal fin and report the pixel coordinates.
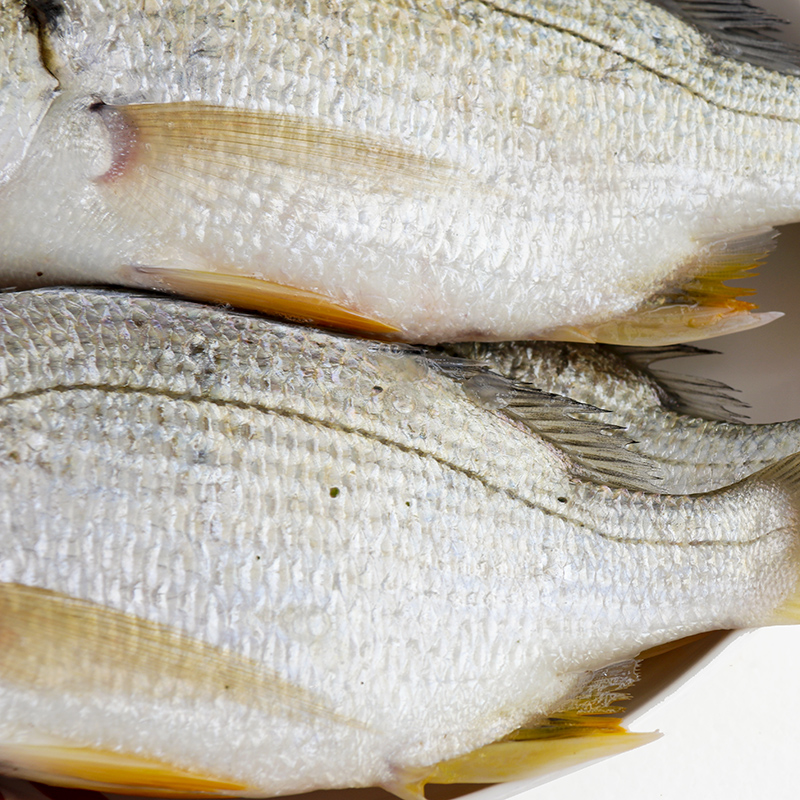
(701, 397)
(739, 30)
(598, 450)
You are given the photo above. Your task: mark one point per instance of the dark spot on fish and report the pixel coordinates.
(377, 389)
(258, 558)
(334, 491)
(44, 13)
(39, 274)
(201, 457)
(561, 499)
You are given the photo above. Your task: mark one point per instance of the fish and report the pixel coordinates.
(692, 430)
(335, 562)
(430, 171)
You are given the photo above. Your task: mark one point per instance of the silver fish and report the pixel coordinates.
(690, 429)
(589, 170)
(334, 562)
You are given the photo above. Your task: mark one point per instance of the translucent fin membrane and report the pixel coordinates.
(740, 30)
(687, 394)
(583, 731)
(598, 451)
(699, 306)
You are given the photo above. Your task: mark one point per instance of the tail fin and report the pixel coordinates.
(785, 477)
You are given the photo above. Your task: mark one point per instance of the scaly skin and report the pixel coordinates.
(458, 170)
(177, 464)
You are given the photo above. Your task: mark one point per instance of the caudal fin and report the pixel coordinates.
(784, 478)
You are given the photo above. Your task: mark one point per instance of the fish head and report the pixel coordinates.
(27, 87)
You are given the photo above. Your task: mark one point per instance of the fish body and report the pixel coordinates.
(688, 428)
(434, 171)
(334, 563)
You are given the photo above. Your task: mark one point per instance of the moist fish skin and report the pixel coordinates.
(381, 571)
(695, 443)
(438, 171)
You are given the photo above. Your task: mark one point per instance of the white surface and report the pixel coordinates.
(729, 732)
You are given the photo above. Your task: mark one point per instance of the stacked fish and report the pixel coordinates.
(241, 557)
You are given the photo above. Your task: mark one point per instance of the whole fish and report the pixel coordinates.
(239, 557)
(587, 170)
(689, 429)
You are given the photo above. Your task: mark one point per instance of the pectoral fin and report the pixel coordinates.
(54, 645)
(255, 294)
(698, 305)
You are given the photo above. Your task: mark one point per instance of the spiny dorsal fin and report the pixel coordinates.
(739, 30)
(599, 451)
(701, 397)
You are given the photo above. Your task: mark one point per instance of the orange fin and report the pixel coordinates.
(255, 294)
(700, 307)
(106, 771)
(583, 731)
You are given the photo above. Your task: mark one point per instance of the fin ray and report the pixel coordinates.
(256, 294)
(687, 394)
(598, 450)
(739, 30)
(696, 304)
(54, 641)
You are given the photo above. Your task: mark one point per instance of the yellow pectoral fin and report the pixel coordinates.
(186, 148)
(255, 294)
(107, 771)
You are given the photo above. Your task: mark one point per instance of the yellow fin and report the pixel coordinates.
(698, 307)
(584, 729)
(53, 642)
(180, 145)
(106, 771)
(255, 294)
(516, 760)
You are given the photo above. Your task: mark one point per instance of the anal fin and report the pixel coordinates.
(256, 294)
(586, 728)
(517, 760)
(699, 304)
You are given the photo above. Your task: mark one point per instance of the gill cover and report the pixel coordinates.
(26, 87)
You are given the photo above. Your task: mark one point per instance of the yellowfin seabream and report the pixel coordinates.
(588, 170)
(244, 558)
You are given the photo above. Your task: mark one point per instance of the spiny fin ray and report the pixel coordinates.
(598, 451)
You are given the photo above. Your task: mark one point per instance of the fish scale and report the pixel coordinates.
(336, 562)
(427, 171)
